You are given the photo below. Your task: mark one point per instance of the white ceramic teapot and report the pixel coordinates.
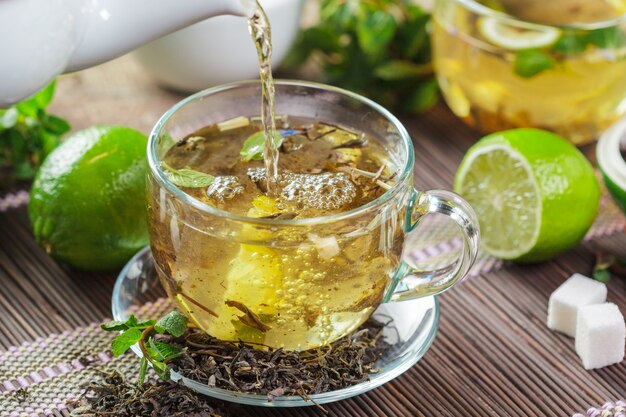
(40, 39)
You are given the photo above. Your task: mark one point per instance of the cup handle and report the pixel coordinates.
(423, 282)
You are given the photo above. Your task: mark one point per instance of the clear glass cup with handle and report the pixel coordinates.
(308, 281)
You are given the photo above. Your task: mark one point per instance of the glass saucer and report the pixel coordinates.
(411, 330)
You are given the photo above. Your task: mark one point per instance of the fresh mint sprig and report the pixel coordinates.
(28, 134)
(155, 352)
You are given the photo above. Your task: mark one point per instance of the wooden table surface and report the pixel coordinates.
(493, 355)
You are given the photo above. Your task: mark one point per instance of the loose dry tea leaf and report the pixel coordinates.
(196, 303)
(249, 318)
(113, 395)
(240, 367)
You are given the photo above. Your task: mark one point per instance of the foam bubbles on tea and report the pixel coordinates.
(224, 188)
(326, 191)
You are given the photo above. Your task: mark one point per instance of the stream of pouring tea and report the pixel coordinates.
(260, 30)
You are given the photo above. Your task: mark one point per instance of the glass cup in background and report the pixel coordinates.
(308, 281)
(497, 72)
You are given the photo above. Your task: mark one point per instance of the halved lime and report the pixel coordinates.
(516, 38)
(534, 193)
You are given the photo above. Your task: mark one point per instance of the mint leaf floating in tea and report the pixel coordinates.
(531, 62)
(254, 146)
(186, 177)
(174, 323)
(571, 43)
(607, 38)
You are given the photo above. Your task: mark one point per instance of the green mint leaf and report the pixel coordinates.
(49, 141)
(133, 323)
(571, 43)
(163, 351)
(44, 97)
(375, 31)
(531, 62)
(188, 177)
(254, 146)
(607, 38)
(114, 326)
(143, 370)
(39, 101)
(124, 341)
(601, 269)
(174, 323)
(55, 124)
(402, 70)
(144, 324)
(28, 108)
(423, 98)
(161, 369)
(602, 275)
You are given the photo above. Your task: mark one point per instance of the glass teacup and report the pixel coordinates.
(497, 71)
(297, 283)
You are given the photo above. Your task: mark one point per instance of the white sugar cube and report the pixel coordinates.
(600, 335)
(578, 291)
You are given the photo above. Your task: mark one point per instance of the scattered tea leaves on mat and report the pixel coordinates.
(601, 270)
(155, 352)
(113, 395)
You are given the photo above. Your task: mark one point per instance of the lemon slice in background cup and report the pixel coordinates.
(535, 194)
(527, 36)
(611, 162)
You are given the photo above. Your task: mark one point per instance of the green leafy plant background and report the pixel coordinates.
(27, 135)
(379, 48)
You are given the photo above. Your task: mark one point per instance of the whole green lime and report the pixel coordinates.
(87, 203)
(534, 193)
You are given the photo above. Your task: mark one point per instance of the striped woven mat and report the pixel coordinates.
(38, 377)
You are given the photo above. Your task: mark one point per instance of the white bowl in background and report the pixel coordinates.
(218, 50)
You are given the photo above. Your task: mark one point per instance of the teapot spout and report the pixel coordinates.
(114, 27)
